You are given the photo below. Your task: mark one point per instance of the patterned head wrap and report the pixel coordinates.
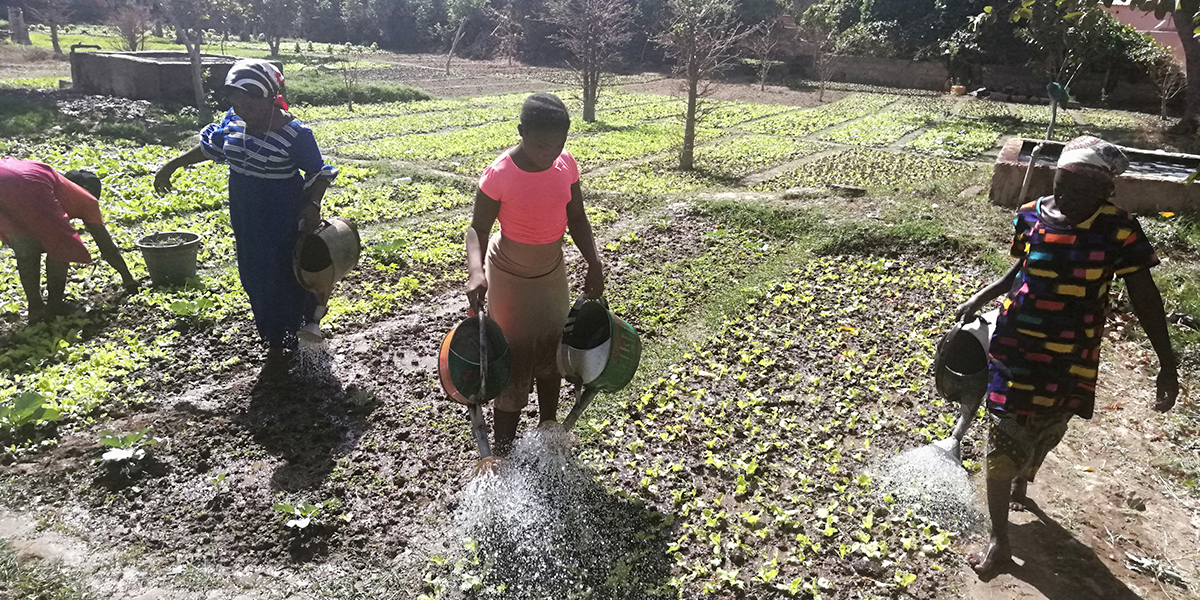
(256, 77)
(1094, 156)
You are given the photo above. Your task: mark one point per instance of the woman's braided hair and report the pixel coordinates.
(545, 112)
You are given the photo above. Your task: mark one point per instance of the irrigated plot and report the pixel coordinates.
(906, 116)
(759, 444)
(958, 138)
(437, 146)
(605, 148)
(869, 168)
(804, 122)
(726, 114)
(336, 133)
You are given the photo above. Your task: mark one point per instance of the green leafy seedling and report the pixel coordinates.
(304, 512)
(196, 308)
(29, 407)
(128, 447)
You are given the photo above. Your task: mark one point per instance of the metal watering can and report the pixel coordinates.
(320, 260)
(961, 372)
(599, 352)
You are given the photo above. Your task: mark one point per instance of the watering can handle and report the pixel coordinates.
(483, 356)
(584, 299)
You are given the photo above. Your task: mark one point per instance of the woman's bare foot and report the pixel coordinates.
(996, 554)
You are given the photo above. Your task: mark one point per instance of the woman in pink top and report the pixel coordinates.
(533, 189)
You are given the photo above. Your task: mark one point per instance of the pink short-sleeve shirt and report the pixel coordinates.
(533, 206)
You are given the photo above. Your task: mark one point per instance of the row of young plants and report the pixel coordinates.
(883, 129)
(805, 122)
(871, 169)
(719, 163)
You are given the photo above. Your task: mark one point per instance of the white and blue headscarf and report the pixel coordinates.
(256, 77)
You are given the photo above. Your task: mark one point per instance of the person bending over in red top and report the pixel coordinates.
(1045, 351)
(533, 190)
(36, 206)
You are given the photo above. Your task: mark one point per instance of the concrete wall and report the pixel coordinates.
(899, 73)
(890, 72)
(1134, 192)
(157, 76)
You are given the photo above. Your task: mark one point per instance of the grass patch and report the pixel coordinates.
(319, 88)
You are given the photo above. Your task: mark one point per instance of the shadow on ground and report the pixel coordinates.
(306, 418)
(1059, 566)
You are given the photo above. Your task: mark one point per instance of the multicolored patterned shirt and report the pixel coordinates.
(1046, 347)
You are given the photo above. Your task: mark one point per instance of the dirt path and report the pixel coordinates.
(1104, 506)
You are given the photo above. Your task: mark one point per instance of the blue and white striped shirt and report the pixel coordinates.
(277, 154)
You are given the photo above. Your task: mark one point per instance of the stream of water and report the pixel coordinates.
(931, 482)
(545, 528)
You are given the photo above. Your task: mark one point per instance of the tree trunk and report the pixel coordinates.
(1183, 18)
(198, 82)
(273, 43)
(158, 30)
(454, 45)
(192, 44)
(16, 25)
(54, 38)
(687, 154)
(590, 83)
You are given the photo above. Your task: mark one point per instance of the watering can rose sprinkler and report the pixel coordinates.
(961, 372)
(320, 260)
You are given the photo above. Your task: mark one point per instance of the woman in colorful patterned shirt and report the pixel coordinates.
(1045, 352)
(533, 190)
(266, 149)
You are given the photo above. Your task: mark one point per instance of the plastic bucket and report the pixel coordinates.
(599, 349)
(458, 362)
(323, 257)
(170, 256)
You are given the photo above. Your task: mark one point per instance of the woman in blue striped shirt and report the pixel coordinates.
(270, 201)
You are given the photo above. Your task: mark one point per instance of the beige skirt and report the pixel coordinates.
(528, 297)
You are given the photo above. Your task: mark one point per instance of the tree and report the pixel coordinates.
(132, 23)
(351, 71)
(819, 29)
(1183, 14)
(509, 30)
(1166, 72)
(54, 13)
(275, 19)
(188, 18)
(461, 12)
(593, 32)
(702, 38)
(762, 46)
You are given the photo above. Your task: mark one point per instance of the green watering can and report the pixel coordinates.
(599, 352)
